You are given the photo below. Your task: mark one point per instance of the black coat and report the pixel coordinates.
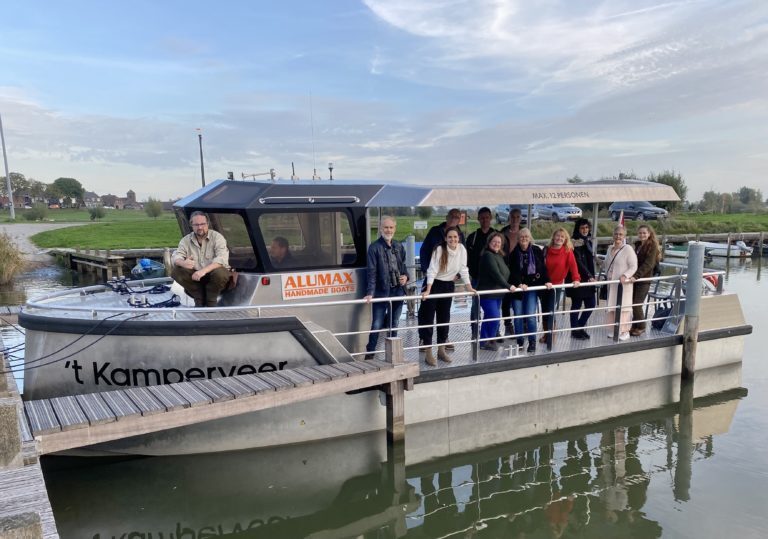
(585, 260)
(519, 276)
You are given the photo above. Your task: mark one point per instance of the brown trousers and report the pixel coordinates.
(639, 292)
(206, 291)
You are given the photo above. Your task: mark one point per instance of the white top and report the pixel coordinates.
(457, 264)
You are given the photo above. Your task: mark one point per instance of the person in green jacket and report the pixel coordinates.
(493, 274)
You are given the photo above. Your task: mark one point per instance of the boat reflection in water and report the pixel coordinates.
(464, 476)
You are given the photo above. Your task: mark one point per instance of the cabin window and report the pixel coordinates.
(314, 239)
(232, 226)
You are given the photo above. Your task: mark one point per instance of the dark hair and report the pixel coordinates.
(281, 241)
(577, 235)
(198, 213)
(484, 209)
(444, 245)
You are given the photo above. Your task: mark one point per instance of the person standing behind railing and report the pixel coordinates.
(387, 276)
(493, 275)
(526, 268)
(558, 256)
(448, 260)
(648, 254)
(476, 243)
(582, 297)
(621, 264)
(510, 233)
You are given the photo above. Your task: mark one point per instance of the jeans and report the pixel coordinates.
(385, 315)
(474, 312)
(525, 304)
(579, 319)
(550, 299)
(439, 309)
(491, 309)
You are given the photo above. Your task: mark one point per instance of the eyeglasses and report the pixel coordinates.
(198, 224)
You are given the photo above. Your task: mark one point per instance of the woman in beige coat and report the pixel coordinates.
(621, 264)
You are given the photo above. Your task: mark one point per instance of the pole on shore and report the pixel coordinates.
(395, 393)
(202, 167)
(7, 174)
(692, 306)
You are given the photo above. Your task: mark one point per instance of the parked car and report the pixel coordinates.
(502, 213)
(558, 212)
(641, 211)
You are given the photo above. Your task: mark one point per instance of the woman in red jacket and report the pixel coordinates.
(560, 262)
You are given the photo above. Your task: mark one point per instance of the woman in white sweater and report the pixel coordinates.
(621, 264)
(448, 260)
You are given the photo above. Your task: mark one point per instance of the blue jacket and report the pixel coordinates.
(379, 279)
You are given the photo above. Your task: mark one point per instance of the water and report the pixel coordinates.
(629, 476)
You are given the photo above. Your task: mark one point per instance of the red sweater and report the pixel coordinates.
(559, 262)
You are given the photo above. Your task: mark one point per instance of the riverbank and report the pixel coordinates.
(20, 234)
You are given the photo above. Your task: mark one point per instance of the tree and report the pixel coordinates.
(36, 189)
(676, 182)
(628, 176)
(153, 207)
(710, 202)
(53, 192)
(575, 179)
(97, 212)
(70, 187)
(424, 212)
(19, 183)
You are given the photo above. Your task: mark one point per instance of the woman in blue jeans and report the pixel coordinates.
(493, 274)
(526, 268)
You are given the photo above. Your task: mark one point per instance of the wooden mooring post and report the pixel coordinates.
(692, 304)
(395, 393)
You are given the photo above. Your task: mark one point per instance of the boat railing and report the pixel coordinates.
(668, 290)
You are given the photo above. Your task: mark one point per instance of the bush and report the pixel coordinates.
(424, 212)
(36, 213)
(154, 208)
(97, 212)
(11, 261)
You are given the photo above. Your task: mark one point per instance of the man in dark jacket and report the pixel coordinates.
(387, 276)
(475, 245)
(435, 237)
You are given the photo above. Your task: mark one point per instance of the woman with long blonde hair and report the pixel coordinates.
(561, 263)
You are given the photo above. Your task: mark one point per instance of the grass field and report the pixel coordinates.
(125, 229)
(69, 215)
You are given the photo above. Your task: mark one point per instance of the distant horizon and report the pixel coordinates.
(506, 92)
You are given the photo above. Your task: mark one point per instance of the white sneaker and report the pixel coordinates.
(624, 336)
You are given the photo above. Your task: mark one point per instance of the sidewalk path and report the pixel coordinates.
(21, 232)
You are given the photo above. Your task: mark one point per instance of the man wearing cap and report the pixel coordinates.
(201, 262)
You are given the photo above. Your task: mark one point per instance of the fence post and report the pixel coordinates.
(395, 393)
(692, 304)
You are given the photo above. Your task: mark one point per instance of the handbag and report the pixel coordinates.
(602, 291)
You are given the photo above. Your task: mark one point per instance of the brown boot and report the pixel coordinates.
(442, 355)
(429, 358)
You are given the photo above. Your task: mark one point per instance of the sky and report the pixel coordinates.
(417, 91)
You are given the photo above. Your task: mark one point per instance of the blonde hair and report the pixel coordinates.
(568, 245)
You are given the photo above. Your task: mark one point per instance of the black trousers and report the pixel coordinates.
(436, 308)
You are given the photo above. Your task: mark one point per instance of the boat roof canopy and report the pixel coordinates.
(233, 194)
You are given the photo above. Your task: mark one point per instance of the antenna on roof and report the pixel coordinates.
(312, 126)
(294, 177)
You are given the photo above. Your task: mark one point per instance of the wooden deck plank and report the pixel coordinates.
(168, 397)
(316, 375)
(26, 433)
(331, 371)
(216, 392)
(42, 419)
(69, 413)
(144, 401)
(193, 395)
(120, 404)
(296, 378)
(235, 386)
(379, 363)
(348, 368)
(278, 382)
(96, 409)
(255, 382)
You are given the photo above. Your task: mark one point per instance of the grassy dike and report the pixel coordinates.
(134, 230)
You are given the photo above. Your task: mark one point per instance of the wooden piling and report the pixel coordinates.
(395, 393)
(692, 304)
(683, 469)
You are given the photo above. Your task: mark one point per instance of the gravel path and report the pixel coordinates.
(21, 232)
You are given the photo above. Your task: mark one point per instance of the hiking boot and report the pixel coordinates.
(442, 355)
(429, 359)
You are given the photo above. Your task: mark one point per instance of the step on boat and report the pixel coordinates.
(311, 311)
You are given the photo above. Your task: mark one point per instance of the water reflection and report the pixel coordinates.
(42, 280)
(589, 481)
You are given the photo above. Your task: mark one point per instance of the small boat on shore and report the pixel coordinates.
(738, 249)
(312, 312)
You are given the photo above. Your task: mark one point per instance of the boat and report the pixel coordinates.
(738, 249)
(137, 333)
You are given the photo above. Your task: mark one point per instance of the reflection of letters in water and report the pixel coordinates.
(318, 283)
(183, 532)
(107, 375)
